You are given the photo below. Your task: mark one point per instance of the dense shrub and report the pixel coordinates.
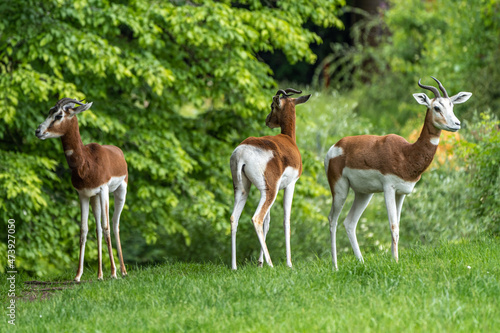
(482, 155)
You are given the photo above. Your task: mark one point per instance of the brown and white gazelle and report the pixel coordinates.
(95, 172)
(389, 164)
(271, 163)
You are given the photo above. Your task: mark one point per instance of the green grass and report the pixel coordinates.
(430, 290)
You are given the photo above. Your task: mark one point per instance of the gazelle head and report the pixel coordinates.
(441, 108)
(60, 117)
(281, 106)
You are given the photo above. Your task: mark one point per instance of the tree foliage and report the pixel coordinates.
(453, 40)
(176, 84)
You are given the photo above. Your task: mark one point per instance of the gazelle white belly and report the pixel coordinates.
(372, 181)
(112, 185)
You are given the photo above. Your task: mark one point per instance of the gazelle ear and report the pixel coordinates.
(301, 99)
(461, 97)
(422, 99)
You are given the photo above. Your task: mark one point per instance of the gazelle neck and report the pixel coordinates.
(422, 152)
(288, 124)
(73, 146)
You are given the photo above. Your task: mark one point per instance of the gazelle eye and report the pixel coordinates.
(437, 109)
(58, 117)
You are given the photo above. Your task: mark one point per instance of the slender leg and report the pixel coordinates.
(267, 197)
(84, 229)
(267, 221)
(392, 213)
(105, 226)
(95, 202)
(361, 200)
(120, 195)
(240, 197)
(399, 204)
(287, 208)
(339, 196)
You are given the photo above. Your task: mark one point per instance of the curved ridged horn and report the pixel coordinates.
(431, 88)
(441, 87)
(66, 100)
(290, 90)
(281, 91)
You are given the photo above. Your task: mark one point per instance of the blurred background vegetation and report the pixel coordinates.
(179, 84)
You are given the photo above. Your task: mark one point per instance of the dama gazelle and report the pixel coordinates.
(389, 164)
(96, 171)
(271, 163)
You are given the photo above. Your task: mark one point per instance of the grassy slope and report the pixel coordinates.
(431, 289)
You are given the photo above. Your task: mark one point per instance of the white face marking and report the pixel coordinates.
(55, 117)
(435, 140)
(442, 109)
(443, 116)
(373, 181)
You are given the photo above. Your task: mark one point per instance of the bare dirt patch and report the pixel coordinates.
(42, 290)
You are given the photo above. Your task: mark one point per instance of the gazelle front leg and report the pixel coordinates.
(104, 196)
(399, 204)
(392, 213)
(287, 207)
(84, 229)
(96, 210)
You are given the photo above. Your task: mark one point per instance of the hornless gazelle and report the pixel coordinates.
(389, 164)
(271, 163)
(96, 171)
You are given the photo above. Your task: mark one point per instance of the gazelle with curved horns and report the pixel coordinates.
(271, 163)
(389, 164)
(96, 171)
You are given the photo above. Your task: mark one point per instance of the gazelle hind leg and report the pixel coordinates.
(241, 190)
(267, 221)
(267, 197)
(361, 200)
(95, 202)
(105, 226)
(84, 229)
(287, 208)
(339, 196)
(120, 195)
